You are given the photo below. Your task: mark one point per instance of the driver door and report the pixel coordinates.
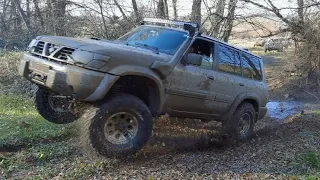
(190, 89)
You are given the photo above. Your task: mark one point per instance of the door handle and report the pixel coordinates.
(210, 77)
(241, 84)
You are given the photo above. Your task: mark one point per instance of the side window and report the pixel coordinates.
(203, 48)
(229, 60)
(251, 67)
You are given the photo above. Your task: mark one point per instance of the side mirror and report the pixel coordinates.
(192, 59)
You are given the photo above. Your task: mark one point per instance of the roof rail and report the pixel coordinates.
(188, 26)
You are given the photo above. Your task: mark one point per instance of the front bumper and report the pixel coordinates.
(66, 79)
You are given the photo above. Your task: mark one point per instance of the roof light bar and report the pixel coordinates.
(189, 26)
(166, 21)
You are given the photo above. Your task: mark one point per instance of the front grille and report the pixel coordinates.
(52, 52)
(39, 47)
(63, 53)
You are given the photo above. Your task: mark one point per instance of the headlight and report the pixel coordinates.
(32, 43)
(88, 59)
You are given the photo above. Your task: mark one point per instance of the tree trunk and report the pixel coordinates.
(136, 10)
(196, 11)
(38, 13)
(100, 4)
(28, 9)
(229, 22)
(4, 27)
(219, 14)
(22, 14)
(175, 12)
(59, 11)
(300, 11)
(49, 18)
(166, 9)
(161, 13)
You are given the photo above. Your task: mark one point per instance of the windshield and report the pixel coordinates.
(159, 39)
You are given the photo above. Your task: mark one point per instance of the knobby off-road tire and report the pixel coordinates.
(239, 128)
(42, 104)
(119, 127)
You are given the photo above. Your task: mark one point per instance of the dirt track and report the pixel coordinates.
(190, 150)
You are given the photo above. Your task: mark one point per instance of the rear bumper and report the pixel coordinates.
(66, 79)
(262, 112)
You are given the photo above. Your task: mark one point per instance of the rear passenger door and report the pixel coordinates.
(228, 81)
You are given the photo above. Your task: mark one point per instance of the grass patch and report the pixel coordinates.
(42, 142)
(21, 125)
(312, 159)
(317, 113)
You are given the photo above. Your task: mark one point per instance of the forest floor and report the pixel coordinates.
(286, 143)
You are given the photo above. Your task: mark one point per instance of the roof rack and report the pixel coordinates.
(191, 27)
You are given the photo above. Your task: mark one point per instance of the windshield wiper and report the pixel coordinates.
(155, 49)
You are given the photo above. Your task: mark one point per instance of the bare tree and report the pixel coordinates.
(49, 17)
(136, 11)
(28, 9)
(59, 11)
(161, 10)
(174, 6)
(300, 4)
(120, 9)
(100, 4)
(218, 18)
(24, 17)
(38, 13)
(196, 11)
(166, 9)
(301, 30)
(229, 20)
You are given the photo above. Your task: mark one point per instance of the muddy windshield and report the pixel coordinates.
(155, 38)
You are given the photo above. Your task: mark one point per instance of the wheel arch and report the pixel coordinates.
(243, 98)
(149, 78)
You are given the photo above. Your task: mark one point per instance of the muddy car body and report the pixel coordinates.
(276, 44)
(150, 71)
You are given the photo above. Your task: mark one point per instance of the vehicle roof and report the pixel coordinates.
(206, 37)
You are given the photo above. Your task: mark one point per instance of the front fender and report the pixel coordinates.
(127, 70)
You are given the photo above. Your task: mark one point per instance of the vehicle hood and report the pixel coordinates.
(115, 50)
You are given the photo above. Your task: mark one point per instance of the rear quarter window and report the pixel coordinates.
(251, 67)
(229, 60)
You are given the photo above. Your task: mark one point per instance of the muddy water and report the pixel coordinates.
(279, 110)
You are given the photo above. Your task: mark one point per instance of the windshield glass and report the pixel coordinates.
(159, 39)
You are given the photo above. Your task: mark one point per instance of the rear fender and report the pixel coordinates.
(240, 98)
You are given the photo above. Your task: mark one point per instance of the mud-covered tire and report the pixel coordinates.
(47, 112)
(233, 129)
(97, 122)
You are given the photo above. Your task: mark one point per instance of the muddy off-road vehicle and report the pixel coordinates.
(160, 67)
(276, 44)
